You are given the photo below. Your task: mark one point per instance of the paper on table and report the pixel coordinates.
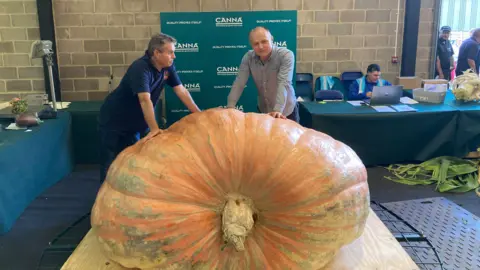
(404, 108)
(407, 100)
(355, 102)
(61, 105)
(383, 109)
(14, 126)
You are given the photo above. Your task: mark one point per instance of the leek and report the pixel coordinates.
(449, 174)
(466, 87)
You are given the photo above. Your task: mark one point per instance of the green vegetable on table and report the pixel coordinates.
(449, 174)
(466, 87)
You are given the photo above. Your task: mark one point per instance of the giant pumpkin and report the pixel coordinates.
(222, 189)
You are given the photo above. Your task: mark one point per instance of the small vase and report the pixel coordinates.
(26, 120)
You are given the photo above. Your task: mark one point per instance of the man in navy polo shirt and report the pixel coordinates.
(444, 64)
(128, 112)
(468, 54)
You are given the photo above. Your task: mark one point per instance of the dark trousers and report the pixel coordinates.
(113, 143)
(447, 73)
(294, 116)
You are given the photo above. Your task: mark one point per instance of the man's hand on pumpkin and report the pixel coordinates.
(277, 115)
(153, 133)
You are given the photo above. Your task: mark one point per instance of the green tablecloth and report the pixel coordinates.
(468, 135)
(85, 130)
(379, 138)
(386, 138)
(30, 162)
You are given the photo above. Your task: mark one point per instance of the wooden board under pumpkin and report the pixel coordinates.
(375, 249)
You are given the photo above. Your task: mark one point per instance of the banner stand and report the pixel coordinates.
(210, 47)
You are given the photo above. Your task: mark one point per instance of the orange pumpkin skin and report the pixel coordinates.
(164, 202)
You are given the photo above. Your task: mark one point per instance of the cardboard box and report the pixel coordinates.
(433, 87)
(409, 82)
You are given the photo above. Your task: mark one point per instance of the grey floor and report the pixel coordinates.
(61, 205)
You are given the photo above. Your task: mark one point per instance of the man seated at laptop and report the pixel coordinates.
(362, 88)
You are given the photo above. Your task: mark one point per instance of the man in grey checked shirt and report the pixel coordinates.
(272, 70)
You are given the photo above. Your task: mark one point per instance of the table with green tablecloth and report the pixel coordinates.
(379, 138)
(30, 162)
(386, 137)
(85, 129)
(468, 135)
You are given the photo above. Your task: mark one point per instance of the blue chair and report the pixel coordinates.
(321, 95)
(325, 83)
(304, 86)
(348, 77)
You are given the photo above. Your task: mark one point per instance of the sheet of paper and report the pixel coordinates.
(355, 102)
(14, 126)
(407, 100)
(4, 105)
(383, 109)
(61, 105)
(403, 108)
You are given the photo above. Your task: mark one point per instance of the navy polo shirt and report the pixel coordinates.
(468, 50)
(444, 52)
(121, 110)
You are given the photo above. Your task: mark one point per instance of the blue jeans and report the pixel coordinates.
(113, 143)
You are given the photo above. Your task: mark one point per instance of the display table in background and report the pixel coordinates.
(468, 125)
(84, 130)
(376, 248)
(30, 162)
(381, 138)
(378, 138)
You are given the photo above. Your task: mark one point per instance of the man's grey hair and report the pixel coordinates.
(259, 28)
(476, 32)
(157, 42)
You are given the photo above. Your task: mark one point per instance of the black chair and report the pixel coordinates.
(304, 86)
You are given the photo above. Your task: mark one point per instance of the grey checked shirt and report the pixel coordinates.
(272, 78)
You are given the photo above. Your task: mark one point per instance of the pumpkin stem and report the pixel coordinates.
(237, 220)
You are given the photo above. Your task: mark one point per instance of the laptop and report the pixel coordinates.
(385, 95)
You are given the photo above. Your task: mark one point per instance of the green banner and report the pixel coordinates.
(209, 51)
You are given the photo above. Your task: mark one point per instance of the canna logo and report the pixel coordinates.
(229, 22)
(187, 47)
(227, 71)
(282, 44)
(192, 87)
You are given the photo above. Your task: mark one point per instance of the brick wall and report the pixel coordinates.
(98, 39)
(18, 29)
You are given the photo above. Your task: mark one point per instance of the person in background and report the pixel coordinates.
(128, 112)
(362, 87)
(272, 70)
(468, 54)
(444, 63)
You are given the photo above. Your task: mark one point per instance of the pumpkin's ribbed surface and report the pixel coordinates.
(163, 200)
